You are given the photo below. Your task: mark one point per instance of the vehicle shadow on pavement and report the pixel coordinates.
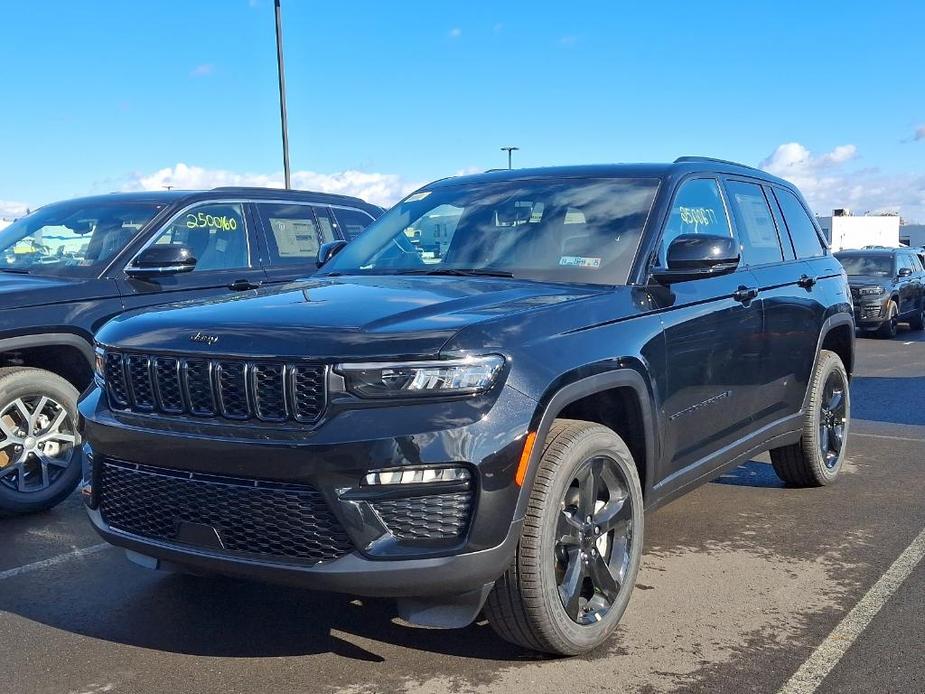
(222, 617)
(874, 398)
(754, 473)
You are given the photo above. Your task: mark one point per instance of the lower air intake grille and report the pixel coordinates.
(438, 516)
(250, 518)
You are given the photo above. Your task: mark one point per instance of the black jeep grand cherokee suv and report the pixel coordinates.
(481, 425)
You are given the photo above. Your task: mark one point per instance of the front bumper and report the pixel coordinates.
(486, 438)
(869, 315)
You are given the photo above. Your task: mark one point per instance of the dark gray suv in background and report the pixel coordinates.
(888, 287)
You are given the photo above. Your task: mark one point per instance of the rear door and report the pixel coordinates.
(713, 330)
(790, 329)
(824, 285)
(909, 286)
(292, 234)
(223, 243)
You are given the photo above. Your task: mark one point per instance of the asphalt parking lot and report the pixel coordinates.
(743, 581)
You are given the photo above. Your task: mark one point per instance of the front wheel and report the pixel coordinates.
(579, 553)
(818, 457)
(39, 465)
(888, 329)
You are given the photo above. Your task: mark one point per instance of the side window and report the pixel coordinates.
(757, 232)
(697, 209)
(352, 222)
(916, 263)
(215, 234)
(802, 230)
(293, 233)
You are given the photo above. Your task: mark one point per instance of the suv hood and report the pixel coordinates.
(21, 291)
(350, 317)
(869, 281)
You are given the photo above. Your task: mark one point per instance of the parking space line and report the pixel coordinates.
(59, 559)
(891, 438)
(837, 643)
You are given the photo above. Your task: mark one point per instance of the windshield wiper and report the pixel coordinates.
(459, 272)
(15, 270)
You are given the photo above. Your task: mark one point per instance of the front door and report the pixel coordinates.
(218, 235)
(712, 329)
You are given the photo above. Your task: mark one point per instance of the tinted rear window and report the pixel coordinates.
(806, 241)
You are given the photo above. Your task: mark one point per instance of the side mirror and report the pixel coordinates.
(904, 272)
(329, 250)
(692, 256)
(160, 261)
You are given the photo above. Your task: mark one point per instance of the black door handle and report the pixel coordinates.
(243, 285)
(807, 282)
(745, 294)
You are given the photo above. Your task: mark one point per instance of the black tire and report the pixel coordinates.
(888, 330)
(525, 607)
(803, 464)
(917, 322)
(31, 385)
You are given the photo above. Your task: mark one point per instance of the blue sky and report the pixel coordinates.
(99, 96)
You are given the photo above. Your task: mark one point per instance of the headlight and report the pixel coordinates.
(467, 376)
(870, 291)
(99, 367)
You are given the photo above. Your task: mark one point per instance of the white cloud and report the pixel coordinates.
(455, 33)
(11, 210)
(919, 133)
(203, 70)
(828, 181)
(379, 188)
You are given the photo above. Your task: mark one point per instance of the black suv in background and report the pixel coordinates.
(69, 267)
(888, 286)
(479, 425)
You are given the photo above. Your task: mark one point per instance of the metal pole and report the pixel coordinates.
(282, 94)
(509, 150)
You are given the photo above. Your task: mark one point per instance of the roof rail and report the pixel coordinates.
(713, 160)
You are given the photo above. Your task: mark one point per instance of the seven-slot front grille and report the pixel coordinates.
(229, 388)
(241, 516)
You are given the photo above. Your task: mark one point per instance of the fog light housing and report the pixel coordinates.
(416, 475)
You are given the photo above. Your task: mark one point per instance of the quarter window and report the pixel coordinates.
(757, 232)
(802, 230)
(215, 234)
(697, 209)
(293, 234)
(352, 222)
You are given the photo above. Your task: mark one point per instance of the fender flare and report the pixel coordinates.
(833, 321)
(50, 340)
(576, 390)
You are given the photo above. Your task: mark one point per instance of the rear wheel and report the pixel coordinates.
(39, 465)
(817, 459)
(917, 322)
(888, 329)
(579, 552)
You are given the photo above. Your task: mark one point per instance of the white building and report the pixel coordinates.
(844, 230)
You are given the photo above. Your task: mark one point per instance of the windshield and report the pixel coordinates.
(570, 230)
(71, 239)
(877, 265)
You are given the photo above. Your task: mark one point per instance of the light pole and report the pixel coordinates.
(509, 150)
(282, 94)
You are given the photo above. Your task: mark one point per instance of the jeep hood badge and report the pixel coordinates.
(203, 338)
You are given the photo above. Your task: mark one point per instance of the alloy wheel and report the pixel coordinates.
(594, 533)
(37, 443)
(832, 419)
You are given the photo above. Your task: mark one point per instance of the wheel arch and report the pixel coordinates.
(583, 397)
(837, 335)
(66, 354)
